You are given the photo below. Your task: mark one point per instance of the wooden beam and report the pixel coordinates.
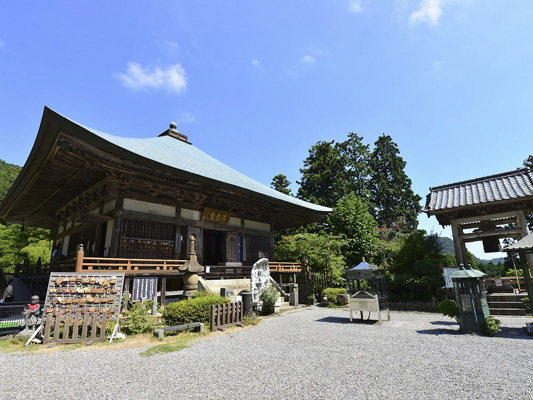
(501, 233)
(489, 217)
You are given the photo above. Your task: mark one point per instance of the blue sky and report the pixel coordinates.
(256, 83)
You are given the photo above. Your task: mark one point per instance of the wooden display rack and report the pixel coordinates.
(78, 305)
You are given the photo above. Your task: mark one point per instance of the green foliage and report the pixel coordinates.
(323, 252)
(17, 245)
(490, 325)
(333, 294)
(193, 310)
(269, 296)
(8, 174)
(353, 224)
(528, 162)
(449, 308)
(137, 319)
(527, 306)
(110, 327)
(416, 273)
(322, 170)
(390, 188)
(281, 184)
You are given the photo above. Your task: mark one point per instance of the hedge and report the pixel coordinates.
(194, 310)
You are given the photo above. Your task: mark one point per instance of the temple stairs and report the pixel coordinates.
(506, 304)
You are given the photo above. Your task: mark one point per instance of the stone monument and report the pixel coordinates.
(191, 269)
(260, 278)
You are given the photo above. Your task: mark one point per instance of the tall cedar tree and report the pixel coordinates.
(321, 174)
(390, 188)
(281, 184)
(355, 157)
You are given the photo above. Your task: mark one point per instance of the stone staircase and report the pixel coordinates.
(506, 304)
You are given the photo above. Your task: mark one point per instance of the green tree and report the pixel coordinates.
(528, 162)
(390, 188)
(281, 184)
(352, 222)
(8, 174)
(416, 273)
(17, 244)
(322, 175)
(355, 157)
(322, 251)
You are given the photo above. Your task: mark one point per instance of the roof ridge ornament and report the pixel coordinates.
(173, 132)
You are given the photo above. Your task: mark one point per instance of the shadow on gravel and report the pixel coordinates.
(340, 320)
(447, 323)
(439, 331)
(513, 333)
(506, 333)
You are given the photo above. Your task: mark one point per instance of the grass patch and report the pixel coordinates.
(178, 343)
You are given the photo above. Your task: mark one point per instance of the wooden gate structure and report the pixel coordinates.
(486, 209)
(225, 315)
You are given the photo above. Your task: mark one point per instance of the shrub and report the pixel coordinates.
(333, 294)
(490, 325)
(269, 295)
(137, 319)
(197, 309)
(449, 308)
(527, 306)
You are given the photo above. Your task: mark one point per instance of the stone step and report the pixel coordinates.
(507, 311)
(501, 297)
(506, 304)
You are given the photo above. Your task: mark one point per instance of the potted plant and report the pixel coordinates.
(269, 296)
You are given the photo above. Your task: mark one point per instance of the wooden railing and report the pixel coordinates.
(510, 282)
(287, 267)
(132, 266)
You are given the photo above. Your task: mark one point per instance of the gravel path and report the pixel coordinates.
(314, 353)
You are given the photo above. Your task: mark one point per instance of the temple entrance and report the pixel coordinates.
(213, 249)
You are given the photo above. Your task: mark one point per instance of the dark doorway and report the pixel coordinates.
(213, 247)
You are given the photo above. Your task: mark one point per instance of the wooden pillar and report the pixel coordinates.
(527, 276)
(522, 224)
(460, 255)
(79, 259)
(117, 225)
(163, 291)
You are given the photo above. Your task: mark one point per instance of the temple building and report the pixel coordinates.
(143, 198)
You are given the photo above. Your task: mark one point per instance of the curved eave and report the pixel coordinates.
(44, 148)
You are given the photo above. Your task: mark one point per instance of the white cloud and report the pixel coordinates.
(429, 12)
(255, 62)
(2, 43)
(355, 6)
(172, 78)
(307, 60)
(437, 66)
(186, 117)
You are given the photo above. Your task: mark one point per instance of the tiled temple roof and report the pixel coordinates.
(510, 185)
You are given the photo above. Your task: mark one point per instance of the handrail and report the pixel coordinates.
(284, 266)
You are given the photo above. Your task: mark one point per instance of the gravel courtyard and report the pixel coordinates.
(313, 353)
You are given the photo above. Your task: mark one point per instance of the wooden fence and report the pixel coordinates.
(505, 284)
(225, 315)
(75, 328)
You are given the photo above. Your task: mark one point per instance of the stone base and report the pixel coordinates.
(25, 334)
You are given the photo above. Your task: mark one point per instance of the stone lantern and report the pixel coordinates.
(191, 269)
(471, 298)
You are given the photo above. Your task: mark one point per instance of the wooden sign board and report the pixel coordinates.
(144, 289)
(216, 216)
